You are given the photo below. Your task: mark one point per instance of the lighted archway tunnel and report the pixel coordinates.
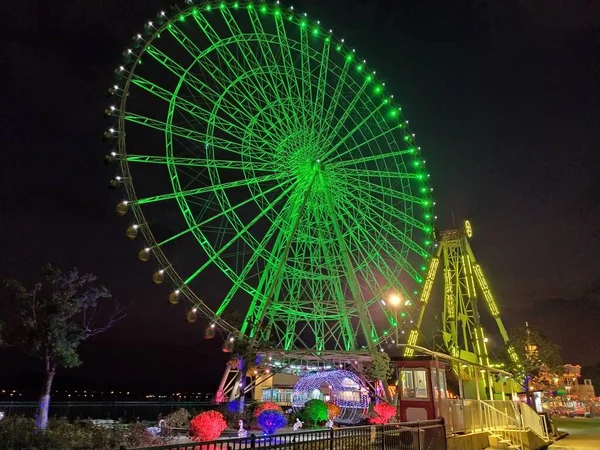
(341, 387)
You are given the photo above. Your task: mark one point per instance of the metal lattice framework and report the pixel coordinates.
(285, 163)
(464, 283)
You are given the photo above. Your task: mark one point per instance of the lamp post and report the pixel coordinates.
(395, 301)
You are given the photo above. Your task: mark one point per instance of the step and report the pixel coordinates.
(498, 442)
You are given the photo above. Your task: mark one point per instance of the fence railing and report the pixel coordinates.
(426, 435)
(465, 416)
(533, 421)
(501, 423)
(103, 409)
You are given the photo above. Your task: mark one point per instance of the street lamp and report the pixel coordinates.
(395, 301)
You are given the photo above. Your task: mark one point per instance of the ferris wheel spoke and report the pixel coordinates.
(338, 294)
(222, 213)
(195, 110)
(393, 230)
(238, 235)
(386, 272)
(321, 94)
(199, 162)
(210, 189)
(350, 133)
(368, 141)
(384, 239)
(277, 82)
(360, 185)
(364, 317)
(368, 173)
(348, 111)
(288, 64)
(208, 63)
(378, 206)
(285, 239)
(203, 89)
(186, 133)
(256, 254)
(334, 102)
(305, 79)
(372, 158)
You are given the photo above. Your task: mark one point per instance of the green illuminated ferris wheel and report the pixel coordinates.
(260, 153)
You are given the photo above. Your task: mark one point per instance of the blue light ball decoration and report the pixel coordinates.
(270, 421)
(233, 406)
(345, 389)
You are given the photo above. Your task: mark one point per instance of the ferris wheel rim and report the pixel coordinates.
(137, 210)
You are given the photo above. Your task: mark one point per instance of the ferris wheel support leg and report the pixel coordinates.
(423, 300)
(263, 308)
(220, 396)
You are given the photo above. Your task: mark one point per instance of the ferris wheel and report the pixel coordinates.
(269, 171)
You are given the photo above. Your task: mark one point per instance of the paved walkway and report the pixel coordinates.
(584, 434)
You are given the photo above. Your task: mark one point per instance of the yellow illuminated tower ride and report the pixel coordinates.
(464, 286)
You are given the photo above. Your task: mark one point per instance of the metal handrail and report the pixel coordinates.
(498, 421)
(533, 421)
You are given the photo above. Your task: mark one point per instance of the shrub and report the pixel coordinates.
(383, 412)
(266, 406)
(333, 410)
(178, 419)
(20, 432)
(139, 436)
(271, 420)
(207, 426)
(313, 412)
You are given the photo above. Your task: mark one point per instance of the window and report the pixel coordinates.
(414, 384)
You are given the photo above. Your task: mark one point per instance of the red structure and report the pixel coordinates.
(422, 384)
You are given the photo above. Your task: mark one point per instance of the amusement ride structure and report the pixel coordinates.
(463, 285)
(259, 152)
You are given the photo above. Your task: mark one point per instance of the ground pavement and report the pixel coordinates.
(584, 434)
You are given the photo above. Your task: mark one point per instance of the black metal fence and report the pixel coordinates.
(104, 409)
(427, 435)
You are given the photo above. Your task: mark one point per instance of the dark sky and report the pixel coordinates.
(504, 98)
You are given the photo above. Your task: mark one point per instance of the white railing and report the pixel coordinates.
(505, 417)
(533, 421)
(499, 422)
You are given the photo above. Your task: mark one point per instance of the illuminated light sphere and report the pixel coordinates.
(122, 208)
(209, 332)
(344, 388)
(192, 316)
(174, 298)
(228, 346)
(281, 152)
(394, 299)
(132, 232)
(158, 277)
(144, 255)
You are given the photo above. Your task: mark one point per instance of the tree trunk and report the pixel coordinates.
(42, 412)
(242, 372)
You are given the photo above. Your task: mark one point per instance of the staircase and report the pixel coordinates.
(505, 430)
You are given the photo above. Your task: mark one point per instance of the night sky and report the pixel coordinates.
(504, 98)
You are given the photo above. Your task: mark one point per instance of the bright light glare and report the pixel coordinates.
(394, 299)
